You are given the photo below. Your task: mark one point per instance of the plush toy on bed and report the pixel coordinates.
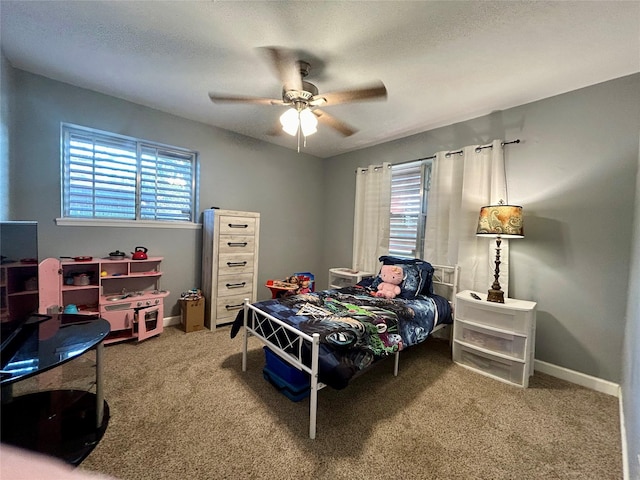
(391, 276)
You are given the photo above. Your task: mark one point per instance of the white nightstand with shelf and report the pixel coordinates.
(345, 277)
(495, 339)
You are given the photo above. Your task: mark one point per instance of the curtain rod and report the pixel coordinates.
(478, 150)
(364, 169)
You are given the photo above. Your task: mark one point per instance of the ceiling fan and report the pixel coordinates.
(303, 97)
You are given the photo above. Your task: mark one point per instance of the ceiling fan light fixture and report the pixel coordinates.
(305, 119)
(289, 121)
(308, 122)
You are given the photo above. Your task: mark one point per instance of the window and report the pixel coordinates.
(409, 187)
(113, 177)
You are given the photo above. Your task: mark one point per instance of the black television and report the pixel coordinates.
(18, 282)
(18, 241)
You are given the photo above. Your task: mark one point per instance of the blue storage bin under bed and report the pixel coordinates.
(290, 381)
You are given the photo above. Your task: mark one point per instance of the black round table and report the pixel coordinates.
(66, 424)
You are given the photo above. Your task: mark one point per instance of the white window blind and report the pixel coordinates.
(112, 177)
(409, 186)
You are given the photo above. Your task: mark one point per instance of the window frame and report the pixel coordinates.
(68, 129)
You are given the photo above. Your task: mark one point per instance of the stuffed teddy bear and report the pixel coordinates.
(391, 276)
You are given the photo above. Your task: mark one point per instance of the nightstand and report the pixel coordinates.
(495, 339)
(345, 277)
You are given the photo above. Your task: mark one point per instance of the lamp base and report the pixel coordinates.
(496, 296)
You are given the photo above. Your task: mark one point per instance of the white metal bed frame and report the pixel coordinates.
(287, 341)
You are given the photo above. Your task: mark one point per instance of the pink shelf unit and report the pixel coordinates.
(125, 292)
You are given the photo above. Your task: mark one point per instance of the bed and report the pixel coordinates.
(335, 335)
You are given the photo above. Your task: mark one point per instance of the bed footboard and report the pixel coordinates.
(288, 343)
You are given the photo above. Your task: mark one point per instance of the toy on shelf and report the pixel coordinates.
(294, 285)
(193, 294)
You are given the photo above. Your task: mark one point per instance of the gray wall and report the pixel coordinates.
(574, 173)
(6, 96)
(631, 355)
(236, 173)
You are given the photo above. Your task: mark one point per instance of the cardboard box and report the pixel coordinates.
(192, 317)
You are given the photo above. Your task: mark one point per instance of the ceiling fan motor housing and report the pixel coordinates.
(309, 90)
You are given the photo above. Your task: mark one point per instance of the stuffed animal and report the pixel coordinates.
(392, 277)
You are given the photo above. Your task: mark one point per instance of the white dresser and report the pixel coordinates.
(495, 339)
(230, 242)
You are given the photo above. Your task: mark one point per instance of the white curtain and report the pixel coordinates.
(371, 219)
(460, 185)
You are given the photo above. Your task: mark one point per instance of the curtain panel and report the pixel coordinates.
(462, 183)
(371, 217)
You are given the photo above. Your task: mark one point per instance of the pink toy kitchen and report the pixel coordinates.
(124, 291)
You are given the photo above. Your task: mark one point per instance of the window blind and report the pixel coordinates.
(409, 184)
(119, 178)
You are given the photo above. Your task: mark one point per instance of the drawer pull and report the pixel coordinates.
(234, 307)
(236, 264)
(238, 225)
(236, 285)
(237, 244)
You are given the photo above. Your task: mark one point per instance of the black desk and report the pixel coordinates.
(67, 424)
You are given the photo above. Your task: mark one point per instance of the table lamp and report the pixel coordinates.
(499, 221)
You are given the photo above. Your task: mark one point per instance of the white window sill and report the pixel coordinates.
(80, 222)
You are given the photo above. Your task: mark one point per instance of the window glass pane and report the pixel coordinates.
(165, 185)
(112, 177)
(408, 208)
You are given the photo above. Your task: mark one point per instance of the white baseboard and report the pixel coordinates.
(167, 321)
(623, 436)
(594, 383)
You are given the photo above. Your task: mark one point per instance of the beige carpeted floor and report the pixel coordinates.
(181, 408)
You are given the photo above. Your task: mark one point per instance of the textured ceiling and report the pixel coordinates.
(442, 62)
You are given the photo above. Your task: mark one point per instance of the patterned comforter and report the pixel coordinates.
(356, 329)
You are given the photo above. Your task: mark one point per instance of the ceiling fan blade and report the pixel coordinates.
(286, 67)
(239, 99)
(275, 130)
(334, 123)
(371, 92)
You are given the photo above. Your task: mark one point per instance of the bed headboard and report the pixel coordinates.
(445, 280)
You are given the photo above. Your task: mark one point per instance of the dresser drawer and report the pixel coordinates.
(510, 371)
(227, 308)
(231, 264)
(494, 316)
(236, 244)
(241, 284)
(237, 225)
(499, 342)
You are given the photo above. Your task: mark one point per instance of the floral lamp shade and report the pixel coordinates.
(500, 221)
